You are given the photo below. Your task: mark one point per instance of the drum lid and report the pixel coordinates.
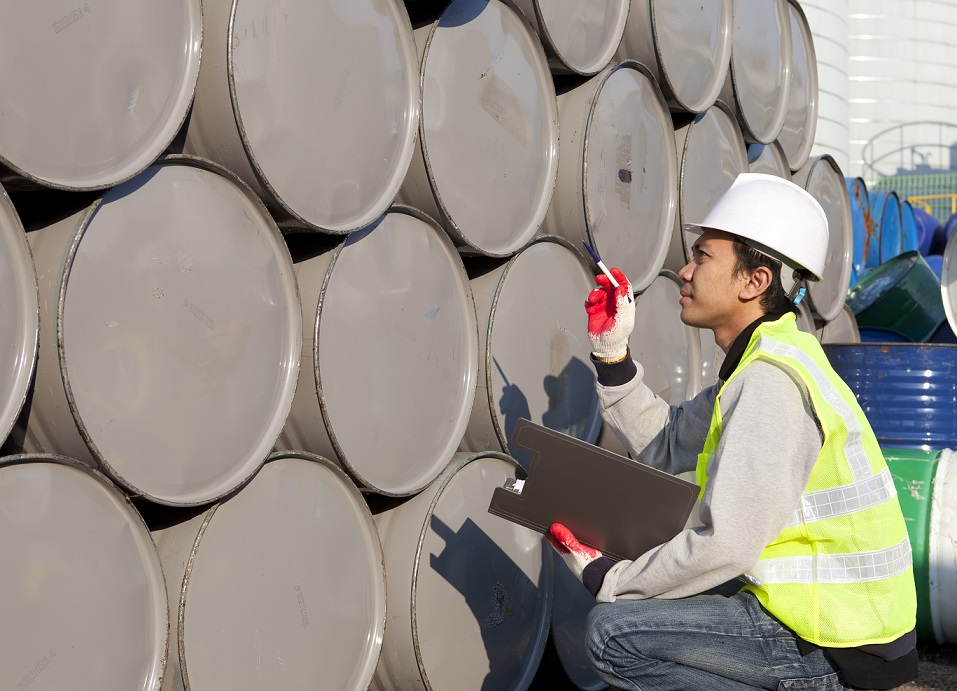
(797, 135)
(489, 125)
(397, 353)
(948, 281)
(19, 314)
(99, 92)
(668, 350)
(761, 66)
(841, 329)
(538, 363)
(584, 34)
(714, 154)
(482, 592)
(768, 159)
(693, 43)
(631, 174)
(180, 333)
(84, 603)
(825, 182)
(328, 122)
(286, 584)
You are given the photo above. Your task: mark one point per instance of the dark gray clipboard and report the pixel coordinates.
(610, 502)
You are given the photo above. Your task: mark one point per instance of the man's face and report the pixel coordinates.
(710, 291)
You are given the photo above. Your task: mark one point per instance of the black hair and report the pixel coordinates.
(774, 300)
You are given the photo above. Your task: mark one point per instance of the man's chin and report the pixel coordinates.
(689, 320)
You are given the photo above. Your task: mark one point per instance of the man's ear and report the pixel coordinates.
(757, 284)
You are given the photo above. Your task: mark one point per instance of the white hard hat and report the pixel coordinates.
(774, 216)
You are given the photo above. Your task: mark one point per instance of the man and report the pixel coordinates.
(796, 500)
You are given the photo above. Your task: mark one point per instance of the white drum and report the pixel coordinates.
(390, 353)
(759, 81)
(84, 599)
(533, 334)
(688, 44)
(841, 329)
(618, 173)
(93, 92)
(668, 349)
(800, 126)
(948, 281)
(822, 178)
(277, 586)
(170, 334)
(315, 105)
(768, 159)
(19, 314)
(579, 36)
(488, 143)
(711, 154)
(470, 593)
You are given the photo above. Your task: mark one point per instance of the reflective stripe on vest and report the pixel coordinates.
(834, 568)
(840, 501)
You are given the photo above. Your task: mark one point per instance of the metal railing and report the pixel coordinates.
(935, 193)
(925, 201)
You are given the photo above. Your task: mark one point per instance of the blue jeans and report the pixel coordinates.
(706, 642)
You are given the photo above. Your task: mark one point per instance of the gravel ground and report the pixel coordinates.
(937, 669)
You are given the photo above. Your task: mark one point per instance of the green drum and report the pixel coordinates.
(913, 472)
(926, 489)
(902, 295)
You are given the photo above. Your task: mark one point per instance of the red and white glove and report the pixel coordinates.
(611, 317)
(575, 554)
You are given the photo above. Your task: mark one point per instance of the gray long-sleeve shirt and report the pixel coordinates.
(769, 443)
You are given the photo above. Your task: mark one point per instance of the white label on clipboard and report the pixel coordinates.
(515, 486)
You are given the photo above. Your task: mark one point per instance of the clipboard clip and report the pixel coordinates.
(514, 485)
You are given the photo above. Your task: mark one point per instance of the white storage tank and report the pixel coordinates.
(901, 85)
(828, 22)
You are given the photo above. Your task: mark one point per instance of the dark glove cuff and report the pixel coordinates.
(594, 572)
(615, 373)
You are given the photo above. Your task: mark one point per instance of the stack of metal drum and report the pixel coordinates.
(277, 279)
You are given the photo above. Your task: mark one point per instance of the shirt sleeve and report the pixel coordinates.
(769, 443)
(666, 437)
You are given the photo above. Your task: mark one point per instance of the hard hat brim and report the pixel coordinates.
(698, 229)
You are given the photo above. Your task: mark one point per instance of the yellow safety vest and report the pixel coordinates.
(840, 574)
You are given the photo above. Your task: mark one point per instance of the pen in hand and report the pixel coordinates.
(601, 265)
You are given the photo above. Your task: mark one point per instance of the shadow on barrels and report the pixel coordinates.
(465, 562)
(571, 397)
(571, 400)
(514, 406)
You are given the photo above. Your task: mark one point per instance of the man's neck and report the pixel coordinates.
(726, 333)
(740, 344)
